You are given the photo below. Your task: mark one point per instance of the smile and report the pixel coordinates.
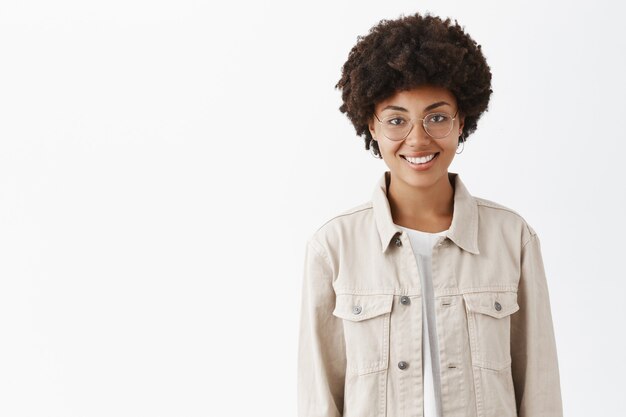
(421, 164)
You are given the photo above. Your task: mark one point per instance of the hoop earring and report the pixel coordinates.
(372, 149)
(462, 143)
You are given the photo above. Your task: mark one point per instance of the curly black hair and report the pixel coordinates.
(405, 53)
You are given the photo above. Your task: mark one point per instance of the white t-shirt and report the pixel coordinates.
(422, 244)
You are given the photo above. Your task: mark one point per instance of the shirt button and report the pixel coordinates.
(403, 365)
(497, 306)
(397, 241)
(356, 310)
(405, 300)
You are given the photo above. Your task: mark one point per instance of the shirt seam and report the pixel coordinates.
(356, 210)
(498, 207)
(532, 236)
(494, 205)
(317, 248)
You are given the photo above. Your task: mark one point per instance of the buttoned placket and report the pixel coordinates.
(406, 301)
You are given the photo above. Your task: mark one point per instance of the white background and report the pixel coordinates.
(162, 164)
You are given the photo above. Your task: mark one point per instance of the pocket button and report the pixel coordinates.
(497, 306)
(356, 310)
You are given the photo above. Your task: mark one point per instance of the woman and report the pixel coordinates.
(424, 300)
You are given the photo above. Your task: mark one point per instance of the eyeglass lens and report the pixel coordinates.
(437, 125)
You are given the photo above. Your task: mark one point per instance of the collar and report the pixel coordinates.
(464, 228)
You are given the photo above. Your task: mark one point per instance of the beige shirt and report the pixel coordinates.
(359, 350)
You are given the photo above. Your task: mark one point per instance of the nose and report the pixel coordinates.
(417, 135)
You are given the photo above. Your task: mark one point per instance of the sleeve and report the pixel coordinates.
(321, 346)
(535, 366)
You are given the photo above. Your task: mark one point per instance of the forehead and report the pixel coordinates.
(419, 97)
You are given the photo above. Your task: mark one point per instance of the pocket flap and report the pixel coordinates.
(493, 303)
(357, 307)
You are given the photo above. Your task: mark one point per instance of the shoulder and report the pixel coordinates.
(494, 214)
(343, 223)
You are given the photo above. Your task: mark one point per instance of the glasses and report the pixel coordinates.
(438, 125)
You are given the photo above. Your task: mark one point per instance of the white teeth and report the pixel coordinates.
(419, 160)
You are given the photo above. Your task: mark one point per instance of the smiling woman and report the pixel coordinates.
(424, 300)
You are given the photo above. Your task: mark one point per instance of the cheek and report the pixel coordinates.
(450, 150)
(451, 145)
(388, 148)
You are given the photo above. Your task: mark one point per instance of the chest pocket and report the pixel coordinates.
(489, 327)
(366, 330)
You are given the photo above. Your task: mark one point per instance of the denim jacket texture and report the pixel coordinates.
(360, 335)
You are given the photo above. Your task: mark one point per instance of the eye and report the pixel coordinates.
(395, 121)
(438, 118)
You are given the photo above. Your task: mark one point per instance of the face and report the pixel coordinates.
(416, 104)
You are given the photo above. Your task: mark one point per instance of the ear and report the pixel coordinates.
(372, 126)
(461, 122)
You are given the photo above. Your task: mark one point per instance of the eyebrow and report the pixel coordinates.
(430, 107)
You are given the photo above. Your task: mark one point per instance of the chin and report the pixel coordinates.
(419, 178)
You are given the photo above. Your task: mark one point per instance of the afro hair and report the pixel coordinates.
(408, 52)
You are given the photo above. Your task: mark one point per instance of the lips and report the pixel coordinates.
(436, 154)
(423, 166)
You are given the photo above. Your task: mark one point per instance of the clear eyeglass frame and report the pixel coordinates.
(424, 125)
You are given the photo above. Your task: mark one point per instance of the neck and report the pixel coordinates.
(428, 209)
